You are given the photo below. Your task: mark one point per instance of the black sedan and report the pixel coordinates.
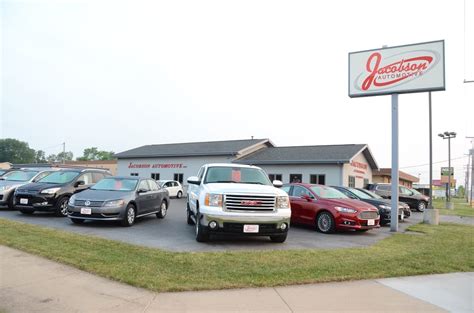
(120, 199)
(383, 205)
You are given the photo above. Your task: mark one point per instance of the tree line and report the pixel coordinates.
(16, 151)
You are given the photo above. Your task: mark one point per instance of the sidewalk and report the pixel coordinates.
(33, 284)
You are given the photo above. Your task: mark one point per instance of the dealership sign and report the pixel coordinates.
(400, 69)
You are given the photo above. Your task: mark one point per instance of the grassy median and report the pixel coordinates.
(461, 207)
(425, 250)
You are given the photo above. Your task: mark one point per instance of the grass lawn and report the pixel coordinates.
(461, 207)
(428, 249)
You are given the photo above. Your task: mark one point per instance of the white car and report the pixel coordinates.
(237, 199)
(174, 187)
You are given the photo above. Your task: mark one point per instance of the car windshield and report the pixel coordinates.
(2, 172)
(371, 194)
(359, 193)
(416, 192)
(19, 175)
(328, 192)
(240, 175)
(61, 177)
(116, 184)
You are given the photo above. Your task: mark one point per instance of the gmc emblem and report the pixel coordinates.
(251, 202)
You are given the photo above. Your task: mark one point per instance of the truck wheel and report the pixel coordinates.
(201, 234)
(325, 223)
(278, 238)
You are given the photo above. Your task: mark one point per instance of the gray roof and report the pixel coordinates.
(327, 154)
(229, 147)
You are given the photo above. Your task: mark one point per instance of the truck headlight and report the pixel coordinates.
(282, 202)
(49, 191)
(114, 203)
(213, 199)
(345, 210)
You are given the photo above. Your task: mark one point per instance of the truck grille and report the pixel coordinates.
(368, 215)
(92, 203)
(250, 203)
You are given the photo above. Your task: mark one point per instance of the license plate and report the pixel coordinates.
(250, 228)
(370, 222)
(86, 211)
(23, 201)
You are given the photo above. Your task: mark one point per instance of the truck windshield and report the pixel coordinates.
(239, 175)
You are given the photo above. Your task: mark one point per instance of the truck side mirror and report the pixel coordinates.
(277, 183)
(194, 180)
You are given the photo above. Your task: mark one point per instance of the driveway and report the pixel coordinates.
(173, 233)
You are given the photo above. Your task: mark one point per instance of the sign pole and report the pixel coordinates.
(394, 204)
(430, 202)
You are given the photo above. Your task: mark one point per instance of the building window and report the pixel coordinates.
(155, 176)
(317, 179)
(296, 178)
(352, 181)
(366, 182)
(275, 177)
(133, 174)
(178, 177)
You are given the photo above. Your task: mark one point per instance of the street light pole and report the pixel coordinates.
(448, 135)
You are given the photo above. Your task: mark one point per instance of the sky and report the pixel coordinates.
(121, 74)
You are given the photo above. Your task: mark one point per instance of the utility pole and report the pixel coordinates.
(449, 136)
(466, 186)
(471, 152)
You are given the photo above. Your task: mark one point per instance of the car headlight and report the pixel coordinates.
(282, 202)
(5, 188)
(345, 210)
(213, 199)
(114, 203)
(71, 200)
(384, 207)
(50, 191)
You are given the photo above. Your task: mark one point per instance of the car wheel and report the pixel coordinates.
(129, 217)
(179, 195)
(278, 238)
(401, 217)
(10, 203)
(325, 223)
(61, 207)
(421, 206)
(163, 210)
(201, 234)
(77, 221)
(27, 212)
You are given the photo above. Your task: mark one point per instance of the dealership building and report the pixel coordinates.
(346, 165)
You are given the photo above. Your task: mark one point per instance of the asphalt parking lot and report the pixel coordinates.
(173, 233)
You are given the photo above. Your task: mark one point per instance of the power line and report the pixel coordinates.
(433, 163)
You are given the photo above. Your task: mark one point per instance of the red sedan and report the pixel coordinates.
(329, 209)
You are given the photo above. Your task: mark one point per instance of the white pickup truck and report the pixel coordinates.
(237, 199)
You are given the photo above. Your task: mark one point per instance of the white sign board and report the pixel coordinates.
(402, 69)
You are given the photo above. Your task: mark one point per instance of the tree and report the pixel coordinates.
(94, 154)
(40, 157)
(57, 158)
(15, 151)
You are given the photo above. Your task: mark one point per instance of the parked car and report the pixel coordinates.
(383, 205)
(122, 199)
(174, 187)
(413, 198)
(52, 192)
(406, 207)
(328, 209)
(237, 199)
(14, 179)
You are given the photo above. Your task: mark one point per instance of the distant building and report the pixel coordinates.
(384, 175)
(110, 165)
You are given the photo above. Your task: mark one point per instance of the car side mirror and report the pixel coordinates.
(277, 183)
(307, 197)
(2, 178)
(141, 190)
(194, 180)
(79, 183)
